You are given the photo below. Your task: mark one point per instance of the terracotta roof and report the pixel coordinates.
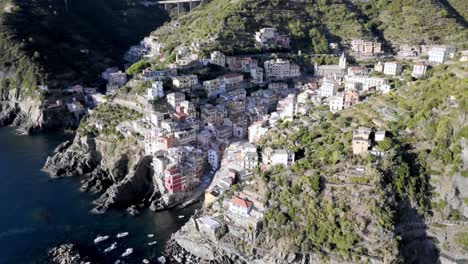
(232, 75)
(241, 202)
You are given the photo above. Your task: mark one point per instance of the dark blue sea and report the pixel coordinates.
(37, 213)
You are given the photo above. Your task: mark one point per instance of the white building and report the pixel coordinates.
(392, 68)
(218, 58)
(441, 54)
(156, 91)
(273, 157)
(419, 70)
(379, 136)
(365, 82)
(328, 88)
(281, 69)
(336, 103)
(175, 99)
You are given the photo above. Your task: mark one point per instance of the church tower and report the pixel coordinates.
(342, 63)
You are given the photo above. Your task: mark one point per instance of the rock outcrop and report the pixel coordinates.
(134, 187)
(73, 159)
(120, 183)
(66, 254)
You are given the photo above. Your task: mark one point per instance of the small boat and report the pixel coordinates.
(120, 235)
(181, 216)
(99, 239)
(145, 261)
(118, 261)
(112, 247)
(152, 243)
(150, 235)
(127, 252)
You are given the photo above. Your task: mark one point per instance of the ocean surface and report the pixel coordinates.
(37, 213)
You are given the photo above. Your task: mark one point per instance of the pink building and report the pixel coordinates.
(173, 180)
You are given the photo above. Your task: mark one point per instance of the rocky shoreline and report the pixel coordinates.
(67, 254)
(29, 117)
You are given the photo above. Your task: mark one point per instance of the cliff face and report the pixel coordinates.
(108, 163)
(122, 179)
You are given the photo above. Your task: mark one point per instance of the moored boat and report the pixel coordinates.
(123, 234)
(127, 252)
(99, 239)
(112, 247)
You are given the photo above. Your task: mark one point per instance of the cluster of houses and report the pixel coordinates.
(219, 133)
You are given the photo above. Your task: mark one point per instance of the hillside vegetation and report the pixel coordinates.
(312, 25)
(47, 42)
(339, 212)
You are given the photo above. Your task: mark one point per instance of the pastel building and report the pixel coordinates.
(366, 47)
(361, 141)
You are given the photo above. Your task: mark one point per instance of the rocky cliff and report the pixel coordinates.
(109, 163)
(122, 179)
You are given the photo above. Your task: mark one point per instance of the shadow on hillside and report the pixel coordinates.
(374, 30)
(78, 42)
(454, 13)
(416, 246)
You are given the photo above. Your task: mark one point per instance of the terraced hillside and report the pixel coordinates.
(314, 24)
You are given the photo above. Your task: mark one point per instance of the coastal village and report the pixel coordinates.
(234, 131)
(205, 134)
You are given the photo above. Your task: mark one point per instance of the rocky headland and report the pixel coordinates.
(112, 165)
